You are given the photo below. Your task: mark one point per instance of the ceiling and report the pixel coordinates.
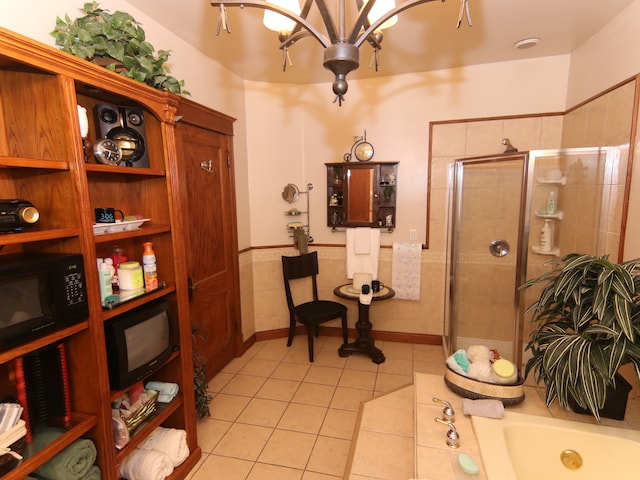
(424, 39)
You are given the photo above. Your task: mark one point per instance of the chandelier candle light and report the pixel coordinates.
(341, 54)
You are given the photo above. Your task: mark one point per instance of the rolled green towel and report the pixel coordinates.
(93, 474)
(44, 436)
(72, 463)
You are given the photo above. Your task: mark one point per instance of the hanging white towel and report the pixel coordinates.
(363, 262)
(406, 270)
(362, 241)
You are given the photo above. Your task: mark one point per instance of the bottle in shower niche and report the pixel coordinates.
(551, 203)
(149, 267)
(546, 242)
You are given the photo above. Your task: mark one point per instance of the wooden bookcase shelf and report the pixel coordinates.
(44, 160)
(79, 426)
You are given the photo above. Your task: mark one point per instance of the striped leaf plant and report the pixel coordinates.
(587, 321)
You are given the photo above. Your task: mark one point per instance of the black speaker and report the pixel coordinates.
(125, 126)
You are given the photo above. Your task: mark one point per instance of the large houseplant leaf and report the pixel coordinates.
(588, 325)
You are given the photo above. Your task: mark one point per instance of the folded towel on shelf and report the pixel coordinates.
(146, 465)
(170, 441)
(9, 439)
(166, 391)
(93, 474)
(483, 408)
(72, 463)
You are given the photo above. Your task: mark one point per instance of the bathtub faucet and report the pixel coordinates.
(453, 438)
(448, 415)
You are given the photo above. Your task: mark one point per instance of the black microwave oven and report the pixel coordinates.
(39, 294)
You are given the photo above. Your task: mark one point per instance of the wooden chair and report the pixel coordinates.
(311, 314)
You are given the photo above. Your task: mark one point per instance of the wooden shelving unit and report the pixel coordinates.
(42, 159)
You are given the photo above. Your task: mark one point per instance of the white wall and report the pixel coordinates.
(296, 129)
(609, 57)
(209, 83)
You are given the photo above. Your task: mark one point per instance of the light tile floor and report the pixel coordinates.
(275, 415)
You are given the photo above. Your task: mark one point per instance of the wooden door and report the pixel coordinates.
(209, 216)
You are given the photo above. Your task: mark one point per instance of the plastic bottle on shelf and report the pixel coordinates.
(105, 280)
(149, 267)
(120, 432)
(112, 273)
(118, 256)
(551, 203)
(545, 237)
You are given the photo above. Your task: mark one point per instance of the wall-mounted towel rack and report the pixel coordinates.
(343, 229)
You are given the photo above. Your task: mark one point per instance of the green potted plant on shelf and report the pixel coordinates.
(588, 326)
(387, 192)
(117, 42)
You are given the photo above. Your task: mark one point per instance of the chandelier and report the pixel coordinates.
(341, 54)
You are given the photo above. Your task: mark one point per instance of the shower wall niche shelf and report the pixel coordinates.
(555, 252)
(556, 216)
(546, 181)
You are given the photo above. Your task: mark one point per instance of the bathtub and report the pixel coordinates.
(530, 447)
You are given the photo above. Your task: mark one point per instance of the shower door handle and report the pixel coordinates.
(499, 248)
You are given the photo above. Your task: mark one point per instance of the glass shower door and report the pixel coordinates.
(499, 207)
(489, 203)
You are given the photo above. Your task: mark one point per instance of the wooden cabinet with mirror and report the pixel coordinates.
(362, 194)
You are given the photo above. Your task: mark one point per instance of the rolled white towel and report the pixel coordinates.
(166, 391)
(171, 442)
(146, 465)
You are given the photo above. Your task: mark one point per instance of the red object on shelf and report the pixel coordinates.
(42, 385)
(22, 395)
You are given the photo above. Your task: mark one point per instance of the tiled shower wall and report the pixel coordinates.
(605, 121)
